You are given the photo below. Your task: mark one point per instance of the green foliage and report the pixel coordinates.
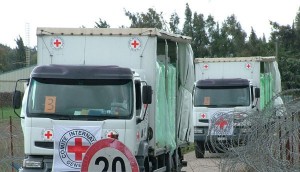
(174, 22)
(102, 24)
(200, 39)
(151, 19)
(188, 23)
(20, 53)
(4, 53)
(6, 112)
(11, 59)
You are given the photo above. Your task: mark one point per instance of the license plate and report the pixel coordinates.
(221, 138)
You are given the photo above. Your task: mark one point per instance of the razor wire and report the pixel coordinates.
(263, 141)
(11, 145)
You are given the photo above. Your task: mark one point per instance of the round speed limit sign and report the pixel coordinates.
(109, 155)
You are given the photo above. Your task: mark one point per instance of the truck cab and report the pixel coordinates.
(219, 107)
(106, 96)
(226, 92)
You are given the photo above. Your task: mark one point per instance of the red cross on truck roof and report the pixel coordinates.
(248, 65)
(205, 66)
(57, 43)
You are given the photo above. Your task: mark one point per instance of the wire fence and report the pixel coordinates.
(270, 139)
(267, 141)
(11, 144)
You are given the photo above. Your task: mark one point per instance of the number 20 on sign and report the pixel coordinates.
(109, 155)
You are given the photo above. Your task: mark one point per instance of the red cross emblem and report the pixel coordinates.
(57, 43)
(48, 134)
(135, 43)
(221, 122)
(78, 149)
(203, 115)
(205, 66)
(248, 66)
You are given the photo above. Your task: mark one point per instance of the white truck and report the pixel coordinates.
(133, 85)
(226, 91)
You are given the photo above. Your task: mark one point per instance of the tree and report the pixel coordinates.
(20, 60)
(213, 35)
(151, 19)
(297, 28)
(286, 37)
(297, 20)
(188, 23)
(200, 39)
(4, 53)
(232, 29)
(174, 22)
(102, 24)
(253, 45)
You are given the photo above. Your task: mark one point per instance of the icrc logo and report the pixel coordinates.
(221, 123)
(73, 145)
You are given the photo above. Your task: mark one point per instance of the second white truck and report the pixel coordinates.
(226, 91)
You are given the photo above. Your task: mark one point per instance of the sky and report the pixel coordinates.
(22, 17)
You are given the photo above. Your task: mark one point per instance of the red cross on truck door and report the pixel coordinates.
(47, 134)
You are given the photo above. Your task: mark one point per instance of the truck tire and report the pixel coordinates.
(199, 149)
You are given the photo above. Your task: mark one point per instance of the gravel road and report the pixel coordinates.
(209, 163)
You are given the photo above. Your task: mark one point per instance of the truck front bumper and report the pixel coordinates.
(46, 164)
(239, 136)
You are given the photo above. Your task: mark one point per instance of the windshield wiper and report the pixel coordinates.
(230, 105)
(207, 106)
(91, 118)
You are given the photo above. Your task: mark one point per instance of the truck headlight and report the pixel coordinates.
(31, 163)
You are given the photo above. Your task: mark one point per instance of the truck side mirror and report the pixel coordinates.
(147, 94)
(257, 92)
(17, 99)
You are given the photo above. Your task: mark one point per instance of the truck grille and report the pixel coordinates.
(204, 120)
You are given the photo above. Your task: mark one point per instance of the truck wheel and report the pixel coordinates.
(199, 149)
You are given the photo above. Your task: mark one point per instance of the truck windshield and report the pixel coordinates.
(80, 99)
(222, 97)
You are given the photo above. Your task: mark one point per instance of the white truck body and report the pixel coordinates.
(145, 51)
(225, 89)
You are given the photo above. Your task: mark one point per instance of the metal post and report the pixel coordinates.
(176, 110)
(11, 142)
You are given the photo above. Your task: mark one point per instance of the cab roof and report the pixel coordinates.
(222, 83)
(81, 72)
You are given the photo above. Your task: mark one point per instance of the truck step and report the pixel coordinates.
(162, 169)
